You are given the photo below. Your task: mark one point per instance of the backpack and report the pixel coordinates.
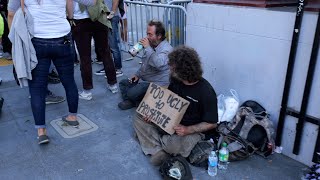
(200, 153)
(176, 168)
(249, 132)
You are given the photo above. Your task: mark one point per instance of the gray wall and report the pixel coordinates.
(247, 49)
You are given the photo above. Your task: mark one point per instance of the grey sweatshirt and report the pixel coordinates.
(23, 53)
(154, 66)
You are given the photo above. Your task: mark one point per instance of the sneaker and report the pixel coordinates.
(100, 72)
(158, 158)
(54, 74)
(76, 63)
(99, 62)
(53, 78)
(126, 104)
(7, 56)
(1, 103)
(70, 123)
(43, 139)
(119, 73)
(53, 99)
(113, 88)
(85, 95)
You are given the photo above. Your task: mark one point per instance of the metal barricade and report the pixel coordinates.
(140, 13)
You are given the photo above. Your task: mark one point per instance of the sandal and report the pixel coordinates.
(70, 123)
(43, 139)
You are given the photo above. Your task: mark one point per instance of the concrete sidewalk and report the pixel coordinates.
(111, 152)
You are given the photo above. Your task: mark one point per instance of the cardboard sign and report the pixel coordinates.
(164, 107)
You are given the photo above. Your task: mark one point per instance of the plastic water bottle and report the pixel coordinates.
(223, 157)
(212, 164)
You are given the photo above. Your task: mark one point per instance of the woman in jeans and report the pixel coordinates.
(52, 42)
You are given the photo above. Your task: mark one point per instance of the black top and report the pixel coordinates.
(202, 98)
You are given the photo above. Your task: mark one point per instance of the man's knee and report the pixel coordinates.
(123, 84)
(136, 93)
(138, 122)
(180, 145)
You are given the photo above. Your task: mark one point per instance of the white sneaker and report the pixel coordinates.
(85, 95)
(119, 73)
(113, 88)
(100, 72)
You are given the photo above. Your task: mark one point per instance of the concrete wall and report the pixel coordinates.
(247, 49)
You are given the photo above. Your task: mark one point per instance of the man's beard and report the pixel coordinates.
(154, 44)
(175, 76)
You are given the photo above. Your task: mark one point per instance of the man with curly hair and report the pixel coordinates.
(200, 117)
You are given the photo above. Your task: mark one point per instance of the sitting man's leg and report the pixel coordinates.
(132, 93)
(160, 146)
(136, 93)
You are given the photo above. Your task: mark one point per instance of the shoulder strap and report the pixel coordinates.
(22, 5)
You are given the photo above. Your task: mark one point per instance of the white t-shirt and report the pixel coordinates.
(49, 17)
(77, 14)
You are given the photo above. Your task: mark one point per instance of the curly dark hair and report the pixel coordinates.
(185, 63)
(160, 30)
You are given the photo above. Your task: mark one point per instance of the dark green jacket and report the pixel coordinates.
(99, 12)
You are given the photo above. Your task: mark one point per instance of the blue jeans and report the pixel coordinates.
(61, 52)
(114, 42)
(133, 91)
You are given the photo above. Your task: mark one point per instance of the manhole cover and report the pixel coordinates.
(86, 126)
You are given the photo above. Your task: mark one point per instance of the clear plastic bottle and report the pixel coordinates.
(223, 157)
(135, 49)
(212, 164)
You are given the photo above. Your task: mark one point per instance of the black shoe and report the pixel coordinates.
(70, 123)
(53, 99)
(1, 103)
(43, 139)
(54, 74)
(100, 72)
(127, 104)
(53, 78)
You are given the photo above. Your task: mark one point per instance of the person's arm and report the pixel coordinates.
(158, 59)
(13, 6)
(115, 4)
(209, 116)
(182, 130)
(70, 9)
(10, 18)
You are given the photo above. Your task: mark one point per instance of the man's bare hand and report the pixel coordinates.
(181, 130)
(145, 42)
(134, 79)
(147, 119)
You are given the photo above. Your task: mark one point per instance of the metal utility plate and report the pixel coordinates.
(86, 126)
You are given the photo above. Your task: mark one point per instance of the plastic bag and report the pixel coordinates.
(221, 108)
(230, 106)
